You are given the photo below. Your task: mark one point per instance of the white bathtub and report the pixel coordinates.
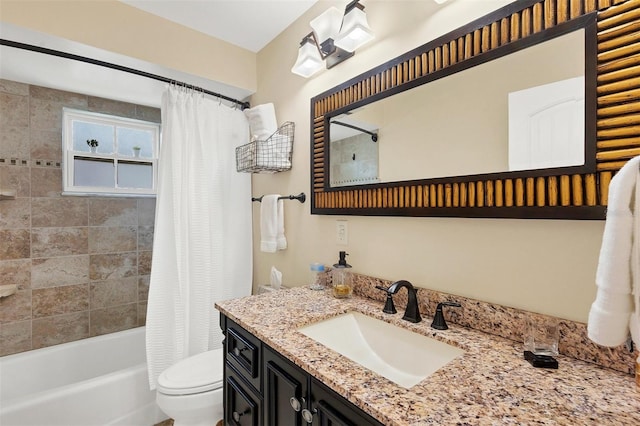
(97, 381)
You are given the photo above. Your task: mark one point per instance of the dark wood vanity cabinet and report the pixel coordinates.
(242, 376)
(285, 391)
(293, 397)
(264, 388)
(242, 405)
(330, 409)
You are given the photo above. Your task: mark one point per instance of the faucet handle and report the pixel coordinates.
(439, 322)
(389, 307)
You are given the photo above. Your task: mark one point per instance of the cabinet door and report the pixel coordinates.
(285, 391)
(330, 409)
(326, 415)
(242, 407)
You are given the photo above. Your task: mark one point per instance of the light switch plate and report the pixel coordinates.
(342, 232)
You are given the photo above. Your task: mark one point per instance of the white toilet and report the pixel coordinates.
(190, 391)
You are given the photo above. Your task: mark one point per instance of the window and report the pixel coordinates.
(105, 154)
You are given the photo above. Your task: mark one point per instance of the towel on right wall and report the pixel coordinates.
(616, 310)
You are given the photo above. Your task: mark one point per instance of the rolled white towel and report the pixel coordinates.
(262, 121)
(275, 153)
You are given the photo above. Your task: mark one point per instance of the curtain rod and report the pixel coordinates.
(92, 61)
(374, 136)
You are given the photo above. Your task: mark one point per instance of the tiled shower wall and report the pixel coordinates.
(81, 264)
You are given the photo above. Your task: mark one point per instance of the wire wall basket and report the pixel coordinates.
(267, 156)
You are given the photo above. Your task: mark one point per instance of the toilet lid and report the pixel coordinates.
(198, 373)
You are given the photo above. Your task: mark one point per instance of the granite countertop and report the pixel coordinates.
(490, 384)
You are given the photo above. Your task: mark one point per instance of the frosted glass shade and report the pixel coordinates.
(309, 61)
(355, 31)
(327, 25)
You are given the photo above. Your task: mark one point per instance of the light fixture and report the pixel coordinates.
(309, 60)
(334, 39)
(355, 31)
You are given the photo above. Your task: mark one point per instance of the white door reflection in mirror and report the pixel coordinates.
(546, 125)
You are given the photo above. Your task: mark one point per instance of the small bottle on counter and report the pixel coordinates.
(341, 277)
(315, 280)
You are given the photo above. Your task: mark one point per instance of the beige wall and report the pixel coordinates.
(539, 265)
(120, 28)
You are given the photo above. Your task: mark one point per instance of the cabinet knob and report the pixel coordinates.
(236, 416)
(238, 351)
(295, 404)
(308, 415)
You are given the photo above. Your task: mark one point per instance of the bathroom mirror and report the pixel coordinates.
(575, 190)
(420, 129)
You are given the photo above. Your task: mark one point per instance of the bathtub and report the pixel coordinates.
(96, 381)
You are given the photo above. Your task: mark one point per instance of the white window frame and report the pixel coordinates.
(69, 154)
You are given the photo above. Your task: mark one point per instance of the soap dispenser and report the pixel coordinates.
(342, 278)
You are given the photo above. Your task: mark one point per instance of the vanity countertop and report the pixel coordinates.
(490, 384)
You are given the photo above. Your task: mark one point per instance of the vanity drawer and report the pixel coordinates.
(242, 405)
(243, 351)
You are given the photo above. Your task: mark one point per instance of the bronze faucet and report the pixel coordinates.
(412, 312)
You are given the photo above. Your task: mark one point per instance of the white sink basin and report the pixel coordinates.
(398, 354)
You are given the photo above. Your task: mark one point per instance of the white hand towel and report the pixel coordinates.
(610, 317)
(281, 240)
(272, 224)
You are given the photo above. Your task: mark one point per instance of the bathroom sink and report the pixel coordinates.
(400, 355)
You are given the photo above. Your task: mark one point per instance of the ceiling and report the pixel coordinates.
(250, 24)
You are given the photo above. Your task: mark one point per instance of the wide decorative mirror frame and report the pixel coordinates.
(612, 117)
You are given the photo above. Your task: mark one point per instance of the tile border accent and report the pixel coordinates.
(46, 163)
(14, 162)
(23, 162)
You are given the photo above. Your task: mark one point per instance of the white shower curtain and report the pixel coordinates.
(202, 238)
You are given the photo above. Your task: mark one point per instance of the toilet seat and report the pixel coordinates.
(199, 373)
